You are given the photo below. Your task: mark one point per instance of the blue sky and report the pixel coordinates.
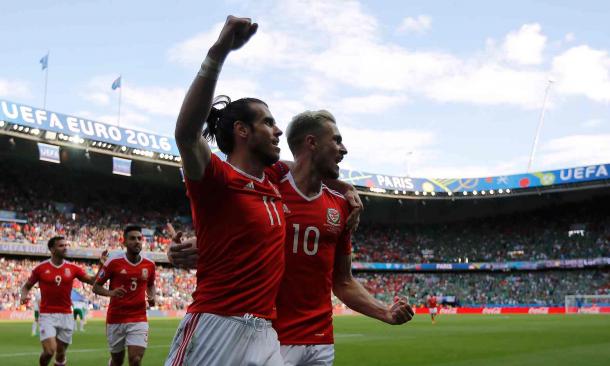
(429, 88)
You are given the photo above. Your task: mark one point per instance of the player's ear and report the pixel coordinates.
(241, 129)
(310, 142)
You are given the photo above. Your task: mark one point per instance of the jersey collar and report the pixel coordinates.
(294, 186)
(260, 180)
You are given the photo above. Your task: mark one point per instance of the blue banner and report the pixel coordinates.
(50, 121)
(49, 153)
(121, 166)
(487, 184)
(485, 266)
(74, 126)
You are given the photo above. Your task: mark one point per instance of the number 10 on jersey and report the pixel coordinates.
(306, 235)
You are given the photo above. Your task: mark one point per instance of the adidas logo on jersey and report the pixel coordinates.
(47, 272)
(249, 186)
(123, 271)
(286, 209)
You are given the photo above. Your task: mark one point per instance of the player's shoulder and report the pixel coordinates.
(148, 261)
(336, 197)
(114, 259)
(42, 265)
(333, 193)
(73, 265)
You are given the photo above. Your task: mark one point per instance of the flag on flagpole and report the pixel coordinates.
(116, 84)
(44, 62)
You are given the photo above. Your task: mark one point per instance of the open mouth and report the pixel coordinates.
(276, 144)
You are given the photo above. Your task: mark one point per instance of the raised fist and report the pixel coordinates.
(235, 33)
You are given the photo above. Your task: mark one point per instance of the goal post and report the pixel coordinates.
(585, 304)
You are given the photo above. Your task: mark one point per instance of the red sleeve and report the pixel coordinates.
(151, 277)
(277, 171)
(104, 274)
(213, 177)
(80, 273)
(344, 246)
(33, 277)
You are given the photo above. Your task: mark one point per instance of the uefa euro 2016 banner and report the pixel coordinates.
(75, 126)
(70, 125)
(455, 185)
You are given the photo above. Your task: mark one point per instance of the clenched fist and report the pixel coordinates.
(235, 33)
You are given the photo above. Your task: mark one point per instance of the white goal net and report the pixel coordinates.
(586, 304)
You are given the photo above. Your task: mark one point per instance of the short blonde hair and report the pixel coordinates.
(306, 123)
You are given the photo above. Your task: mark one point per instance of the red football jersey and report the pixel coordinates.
(432, 302)
(315, 232)
(239, 225)
(134, 278)
(56, 285)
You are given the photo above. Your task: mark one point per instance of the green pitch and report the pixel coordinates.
(471, 340)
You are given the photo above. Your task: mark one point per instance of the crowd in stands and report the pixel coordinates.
(515, 288)
(539, 236)
(91, 212)
(174, 286)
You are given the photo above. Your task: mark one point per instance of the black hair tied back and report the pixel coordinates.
(218, 105)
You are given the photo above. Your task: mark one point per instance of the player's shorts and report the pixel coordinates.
(433, 311)
(308, 355)
(79, 313)
(56, 325)
(121, 335)
(36, 315)
(214, 340)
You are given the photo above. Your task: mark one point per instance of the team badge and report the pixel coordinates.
(144, 273)
(333, 217)
(67, 272)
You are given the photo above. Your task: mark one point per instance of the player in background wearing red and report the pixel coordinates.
(432, 307)
(55, 277)
(238, 219)
(132, 278)
(318, 247)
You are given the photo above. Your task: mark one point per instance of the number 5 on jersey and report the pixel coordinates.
(306, 235)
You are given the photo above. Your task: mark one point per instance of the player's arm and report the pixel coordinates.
(25, 290)
(357, 298)
(99, 289)
(182, 253)
(151, 292)
(90, 280)
(197, 104)
(103, 275)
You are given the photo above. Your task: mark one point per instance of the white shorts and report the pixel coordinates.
(121, 335)
(214, 340)
(58, 325)
(433, 311)
(308, 355)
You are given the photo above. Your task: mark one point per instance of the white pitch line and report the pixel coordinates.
(346, 335)
(8, 355)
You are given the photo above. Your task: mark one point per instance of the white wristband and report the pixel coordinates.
(210, 69)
